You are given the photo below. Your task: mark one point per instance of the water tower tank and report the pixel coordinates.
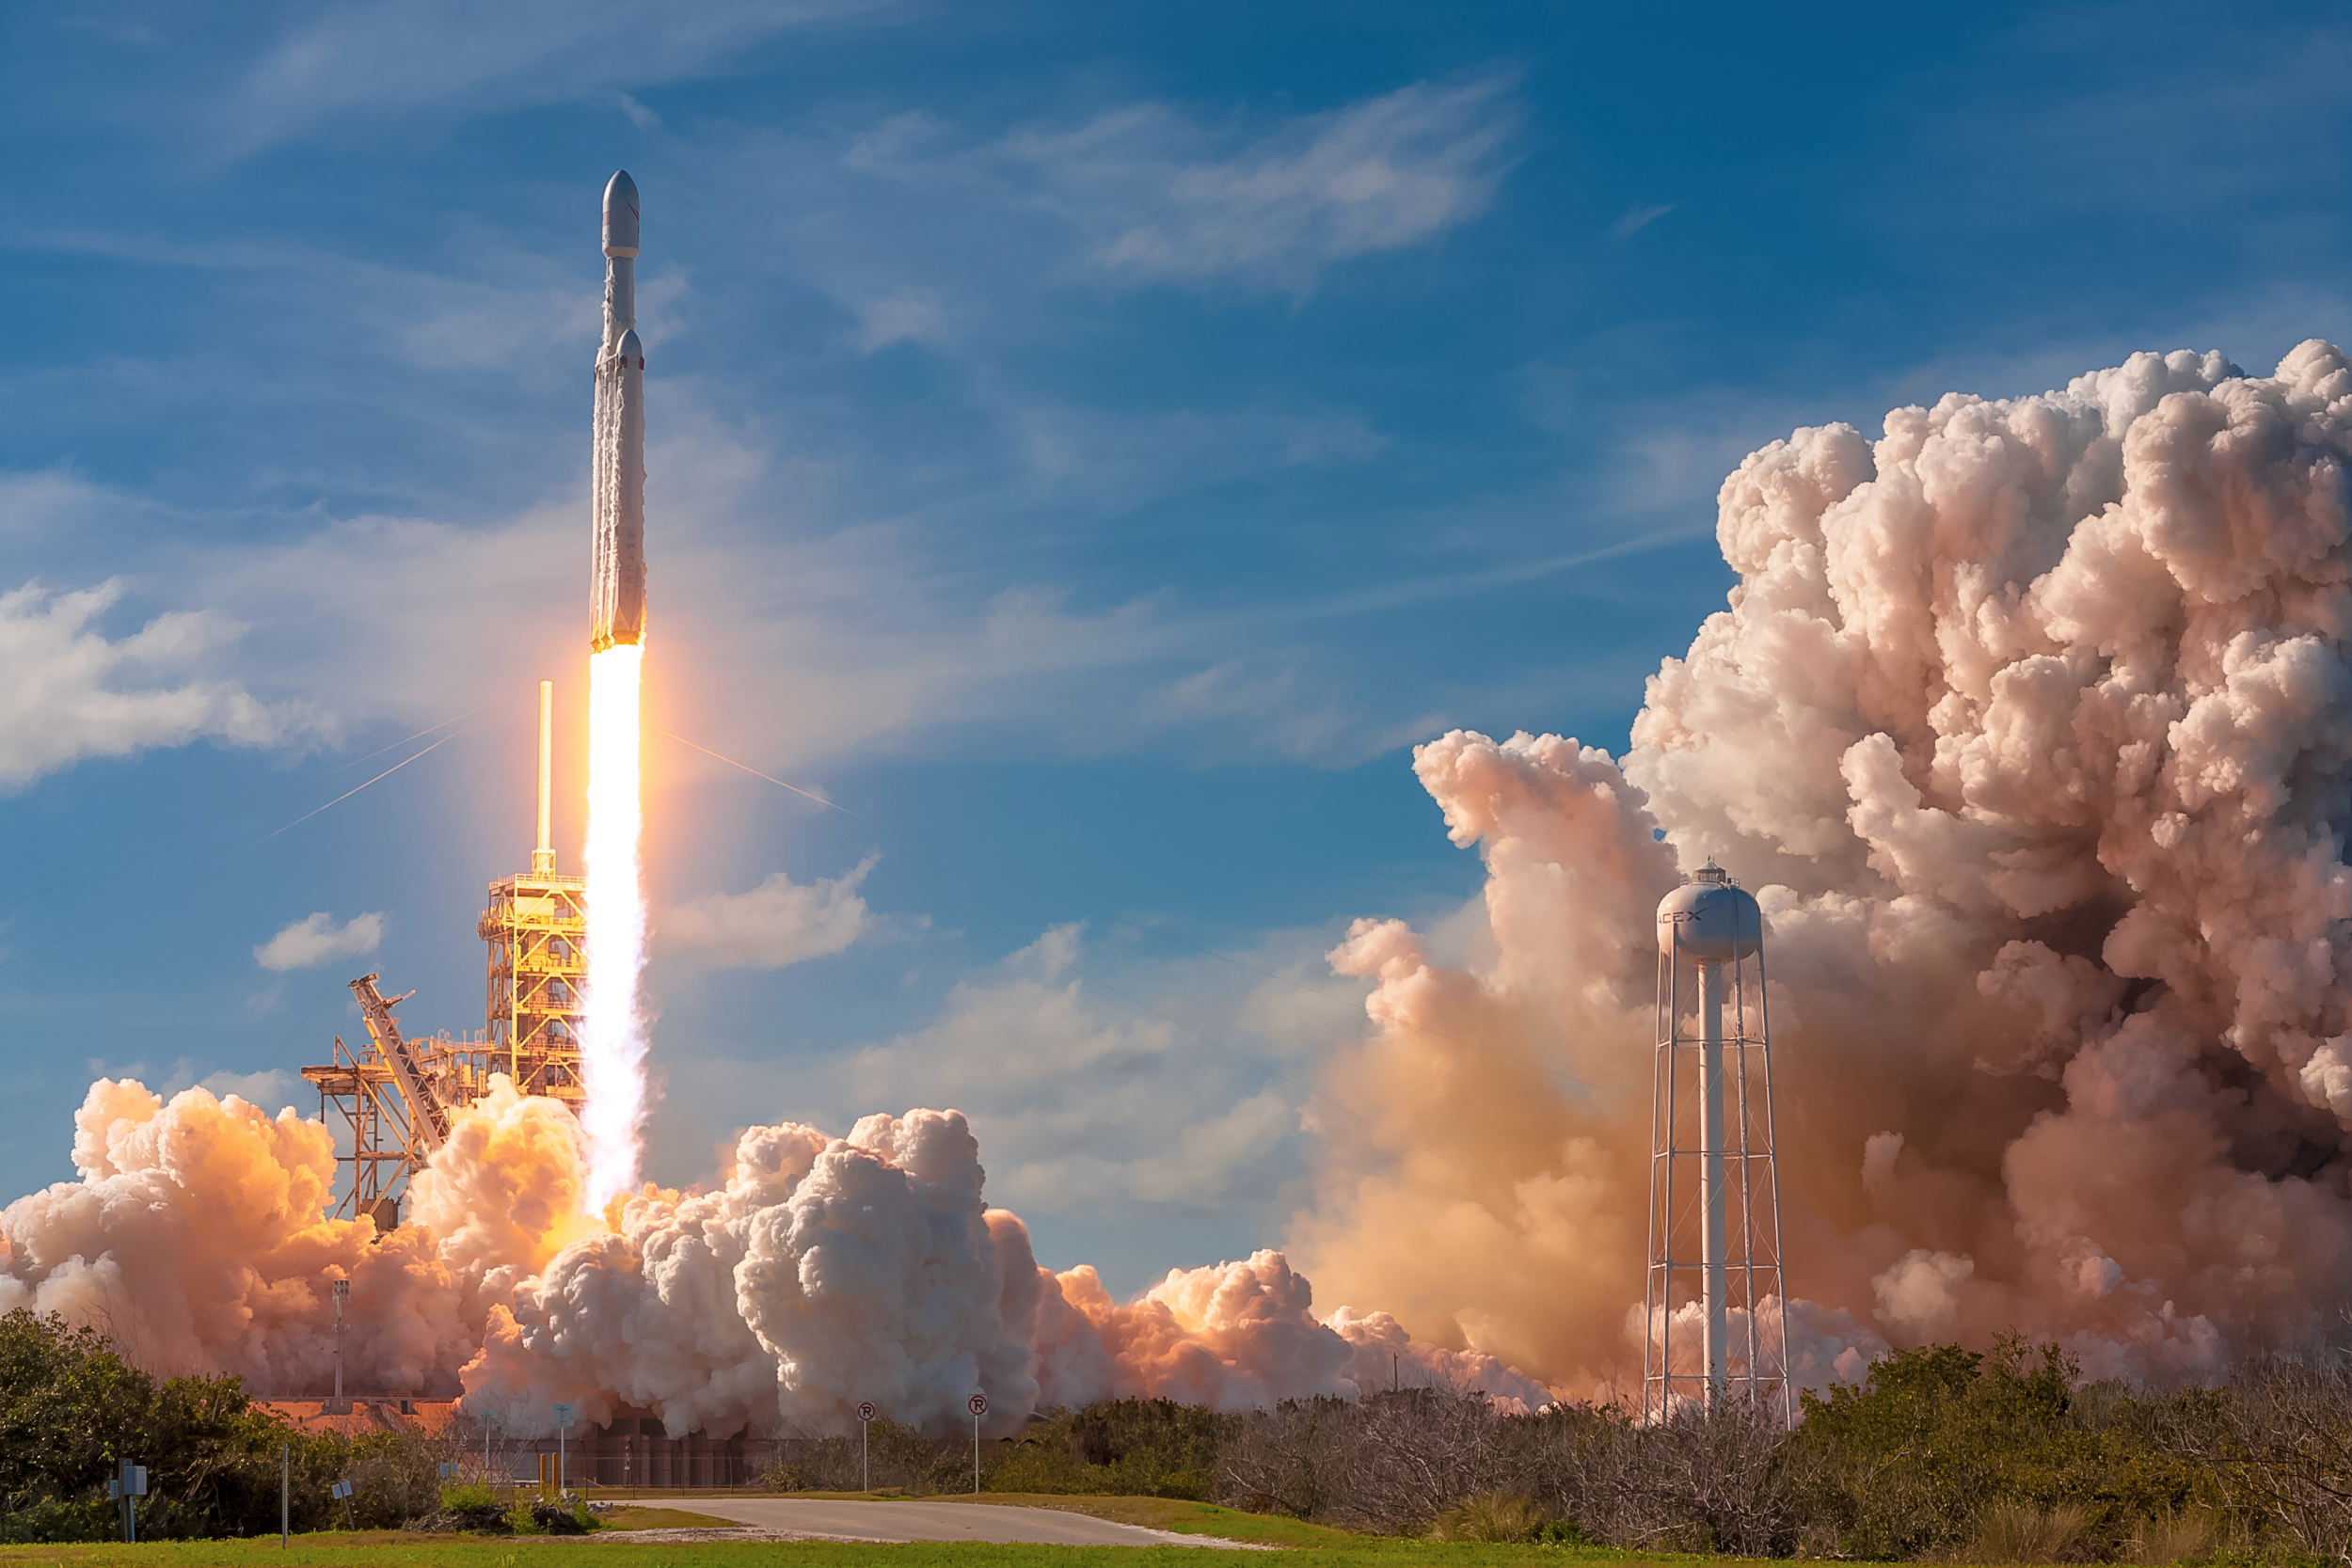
(1709, 920)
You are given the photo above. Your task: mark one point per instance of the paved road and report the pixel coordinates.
(929, 1521)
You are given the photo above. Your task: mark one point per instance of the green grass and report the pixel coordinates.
(397, 1550)
(632, 1516)
(1310, 1545)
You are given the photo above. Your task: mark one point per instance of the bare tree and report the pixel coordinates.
(1298, 1458)
(1703, 1480)
(2281, 1435)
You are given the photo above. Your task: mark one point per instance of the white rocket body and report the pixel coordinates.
(616, 591)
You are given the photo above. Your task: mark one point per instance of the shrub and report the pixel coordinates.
(72, 1407)
(555, 1519)
(2012, 1532)
(1504, 1516)
(898, 1456)
(466, 1496)
(2177, 1538)
(1122, 1447)
(49, 1522)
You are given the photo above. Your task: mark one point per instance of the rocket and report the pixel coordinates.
(616, 591)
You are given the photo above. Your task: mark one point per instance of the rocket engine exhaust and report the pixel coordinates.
(612, 1036)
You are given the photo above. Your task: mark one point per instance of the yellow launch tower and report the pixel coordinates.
(394, 1096)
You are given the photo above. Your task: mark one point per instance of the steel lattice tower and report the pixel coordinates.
(1714, 1195)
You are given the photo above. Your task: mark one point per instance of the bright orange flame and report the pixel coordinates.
(612, 1036)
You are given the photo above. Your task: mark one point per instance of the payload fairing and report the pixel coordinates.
(616, 591)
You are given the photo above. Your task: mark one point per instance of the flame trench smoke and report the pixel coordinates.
(612, 1036)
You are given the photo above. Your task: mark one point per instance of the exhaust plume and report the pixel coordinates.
(612, 1036)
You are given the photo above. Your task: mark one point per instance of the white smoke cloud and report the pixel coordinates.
(2028, 723)
(72, 694)
(818, 1272)
(778, 922)
(315, 938)
(196, 1238)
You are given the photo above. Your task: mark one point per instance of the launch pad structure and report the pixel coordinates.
(391, 1099)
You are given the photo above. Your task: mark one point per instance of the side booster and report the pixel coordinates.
(616, 591)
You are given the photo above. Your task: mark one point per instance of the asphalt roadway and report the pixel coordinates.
(930, 1521)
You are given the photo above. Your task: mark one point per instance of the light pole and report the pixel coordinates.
(562, 1424)
(342, 1294)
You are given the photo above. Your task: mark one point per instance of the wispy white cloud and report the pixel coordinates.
(392, 55)
(1242, 706)
(638, 116)
(71, 692)
(1638, 219)
(1382, 175)
(1150, 193)
(269, 1088)
(910, 315)
(780, 921)
(316, 938)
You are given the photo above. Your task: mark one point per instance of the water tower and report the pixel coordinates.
(1714, 1193)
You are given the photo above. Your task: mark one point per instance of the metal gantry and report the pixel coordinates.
(1715, 1197)
(396, 1097)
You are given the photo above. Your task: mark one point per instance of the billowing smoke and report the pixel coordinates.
(2027, 725)
(820, 1271)
(195, 1237)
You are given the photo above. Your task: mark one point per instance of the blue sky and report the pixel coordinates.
(1091, 443)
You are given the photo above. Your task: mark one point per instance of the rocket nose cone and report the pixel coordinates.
(620, 216)
(629, 347)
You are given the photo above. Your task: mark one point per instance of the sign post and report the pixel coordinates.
(563, 1414)
(343, 1489)
(285, 1494)
(978, 1404)
(864, 1463)
(129, 1482)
